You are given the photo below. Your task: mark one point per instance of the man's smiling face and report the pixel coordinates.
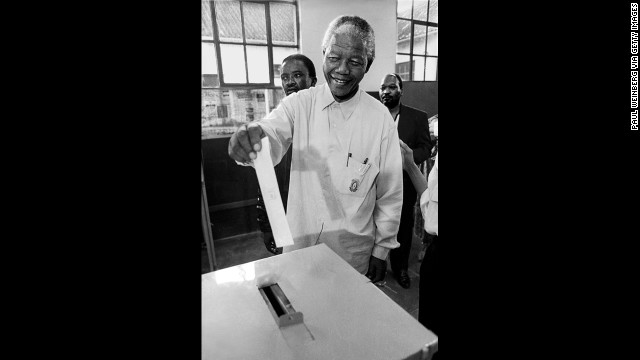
(344, 64)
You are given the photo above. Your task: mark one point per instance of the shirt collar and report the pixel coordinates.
(326, 99)
(350, 105)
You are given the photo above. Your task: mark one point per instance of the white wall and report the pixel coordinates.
(315, 16)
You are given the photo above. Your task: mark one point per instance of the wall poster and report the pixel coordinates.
(224, 110)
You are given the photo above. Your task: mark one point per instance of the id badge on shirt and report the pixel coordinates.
(354, 176)
(357, 180)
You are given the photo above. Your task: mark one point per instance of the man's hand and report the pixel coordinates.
(377, 269)
(270, 243)
(245, 142)
(407, 155)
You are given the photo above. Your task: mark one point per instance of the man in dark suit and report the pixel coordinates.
(413, 130)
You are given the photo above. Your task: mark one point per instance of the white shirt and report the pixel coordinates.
(335, 198)
(430, 193)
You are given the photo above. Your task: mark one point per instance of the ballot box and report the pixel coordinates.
(306, 304)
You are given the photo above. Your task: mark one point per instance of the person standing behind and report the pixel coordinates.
(346, 169)
(298, 73)
(429, 303)
(413, 129)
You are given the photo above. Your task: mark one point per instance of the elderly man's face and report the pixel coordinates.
(344, 65)
(295, 77)
(390, 91)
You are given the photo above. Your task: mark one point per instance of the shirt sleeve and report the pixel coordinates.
(424, 200)
(278, 126)
(430, 193)
(386, 214)
(432, 181)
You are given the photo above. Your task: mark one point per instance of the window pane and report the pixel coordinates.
(228, 20)
(255, 23)
(431, 69)
(432, 41)
(420, 9)
(209, 66)
(418, 68)
(402, 66)
(404, 9)
(419, 37)
(283, 24)
(433, 11)
(404, 36)
(233, 70)
(209, 60)
(207, 27)
(279, 53)
(258, 64)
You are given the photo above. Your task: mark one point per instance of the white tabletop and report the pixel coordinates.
(345, 315)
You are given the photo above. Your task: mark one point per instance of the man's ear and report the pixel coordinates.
(313, 81)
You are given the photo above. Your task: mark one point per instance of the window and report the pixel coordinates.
(417, 46)
(243, 43)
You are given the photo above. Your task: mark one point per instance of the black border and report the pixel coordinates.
(538, 174)
(127, 207)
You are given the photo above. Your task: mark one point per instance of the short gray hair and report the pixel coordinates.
(361, 29)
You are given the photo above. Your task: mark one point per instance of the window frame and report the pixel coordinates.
(411, 41)
(269, 44)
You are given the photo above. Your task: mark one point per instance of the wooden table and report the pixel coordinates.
(345, 315)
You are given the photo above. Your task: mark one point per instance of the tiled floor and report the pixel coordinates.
(250, 247)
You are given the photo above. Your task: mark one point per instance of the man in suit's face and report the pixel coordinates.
(390, 91)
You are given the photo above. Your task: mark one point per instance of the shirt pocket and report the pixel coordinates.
(358, 178)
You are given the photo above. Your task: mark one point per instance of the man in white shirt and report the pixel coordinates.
(346, 174)
(298, 73)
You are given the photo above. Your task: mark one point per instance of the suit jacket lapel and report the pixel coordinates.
(404, 127)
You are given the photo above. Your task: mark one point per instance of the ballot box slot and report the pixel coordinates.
(280, 306)
(275, 302)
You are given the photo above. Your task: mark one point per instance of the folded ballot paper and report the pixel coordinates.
(271, 195)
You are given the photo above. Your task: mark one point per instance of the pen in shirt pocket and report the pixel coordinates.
(364, 167)
(348, 156)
